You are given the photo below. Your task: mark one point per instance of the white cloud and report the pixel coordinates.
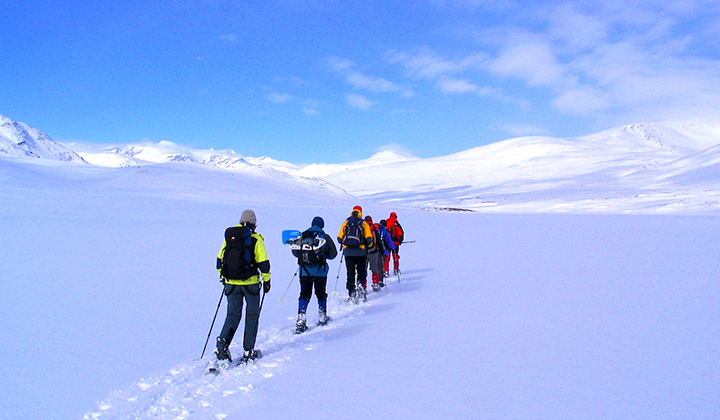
(532, 61)
(279, 98)
(451, 85)
(426, 64)
(375, 84)
(581, 101)
(229, 38)
(359, 102)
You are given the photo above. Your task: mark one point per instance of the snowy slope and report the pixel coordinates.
(588, 173)
(628, 169)
(109, 286)
(19, 139)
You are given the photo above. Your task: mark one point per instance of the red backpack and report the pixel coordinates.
(397, 233)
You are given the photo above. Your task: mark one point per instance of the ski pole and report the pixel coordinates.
(213, 323)
(291, 282)
(338, 274)
(262, 300)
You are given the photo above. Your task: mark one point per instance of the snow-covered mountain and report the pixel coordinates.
(631, 168)
(165, 151)
(21, 140)
(603, 171)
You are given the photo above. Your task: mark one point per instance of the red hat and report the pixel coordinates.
(358, 208)
(393, 214)
(368, 219)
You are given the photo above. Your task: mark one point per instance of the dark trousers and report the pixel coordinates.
(359, 265)
(306, 287)
(235, 296)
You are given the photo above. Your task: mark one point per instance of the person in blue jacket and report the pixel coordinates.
(387, 246)
(316, 248)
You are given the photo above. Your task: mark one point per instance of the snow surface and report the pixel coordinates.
(109, 286)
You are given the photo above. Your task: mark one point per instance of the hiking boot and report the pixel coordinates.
(222, 351)
(250, 355)
(376, 287)
(323, 317)
(301, 323)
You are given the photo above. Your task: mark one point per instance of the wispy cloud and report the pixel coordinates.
(279, 98)
(362, 81)
(230, 38)
(648, 59)
(376, 84)
(359, 102)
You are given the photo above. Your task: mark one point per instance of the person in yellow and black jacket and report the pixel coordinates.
(242, 262)
(355, 237)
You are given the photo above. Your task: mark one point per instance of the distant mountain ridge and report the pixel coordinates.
(20, 140)
(669, 162)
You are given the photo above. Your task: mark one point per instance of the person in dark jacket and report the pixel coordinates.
(377, 252)
(313, 272)
(355, 237)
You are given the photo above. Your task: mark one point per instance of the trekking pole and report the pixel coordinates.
(261, 301)
(338, 274)
(291, 282)
(213, 323)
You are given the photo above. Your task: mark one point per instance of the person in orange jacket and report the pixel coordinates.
(355, 237)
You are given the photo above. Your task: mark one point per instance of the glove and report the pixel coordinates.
(266, 286)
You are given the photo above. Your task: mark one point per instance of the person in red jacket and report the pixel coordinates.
(398, 235)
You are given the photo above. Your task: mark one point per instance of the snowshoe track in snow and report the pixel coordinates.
(188, 390)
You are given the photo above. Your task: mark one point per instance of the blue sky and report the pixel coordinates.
(338, 80)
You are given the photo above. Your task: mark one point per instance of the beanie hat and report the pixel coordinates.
(248, 216)
(318, 221)
(368, 219)
(357, 209)
(383, 222)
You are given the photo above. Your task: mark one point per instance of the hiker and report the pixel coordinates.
(355, 237)
(240, 259)
(377, 252)
(388, 245)
(398, 235)
(316, 247)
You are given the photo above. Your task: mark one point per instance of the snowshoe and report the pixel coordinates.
(375, 287)
(323, 318)
(301, 324)
(250, 355)
(217, 366)
(223, 351)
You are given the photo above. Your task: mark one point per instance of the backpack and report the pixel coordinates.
(354, 233)
(312, 248)
(377, 238)
(397, 233)
(238, 261)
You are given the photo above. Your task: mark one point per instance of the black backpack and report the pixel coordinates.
(378, 238)
(312, 248)
(238, 262)
(354, 233)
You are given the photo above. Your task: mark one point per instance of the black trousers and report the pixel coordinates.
(356, 265)
(306, 287)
